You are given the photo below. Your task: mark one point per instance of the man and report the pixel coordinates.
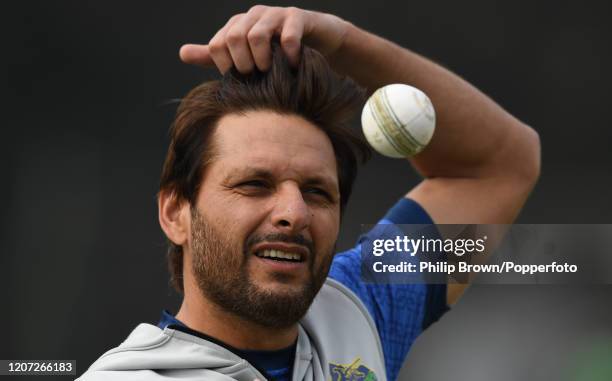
(258, 172)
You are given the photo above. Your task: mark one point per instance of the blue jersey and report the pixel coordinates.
(401, 311)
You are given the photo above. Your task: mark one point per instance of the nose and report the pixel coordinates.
(290, 214)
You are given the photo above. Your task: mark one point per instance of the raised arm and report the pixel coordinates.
(481, 163)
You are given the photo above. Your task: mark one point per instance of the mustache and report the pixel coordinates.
(279, 237)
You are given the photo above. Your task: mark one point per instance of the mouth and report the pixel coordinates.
(280, 255)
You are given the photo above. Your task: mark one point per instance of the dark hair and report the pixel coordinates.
(311, 90)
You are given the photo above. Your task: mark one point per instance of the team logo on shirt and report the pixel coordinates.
(351, 372)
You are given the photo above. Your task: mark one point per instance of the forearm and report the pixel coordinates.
(473, 133)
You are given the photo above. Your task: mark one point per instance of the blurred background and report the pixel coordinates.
(85, 102)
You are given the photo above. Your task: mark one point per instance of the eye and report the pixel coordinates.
(317, 191)
(253, 183)
(253, 186)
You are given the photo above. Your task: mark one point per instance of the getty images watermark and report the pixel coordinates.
(486, 253)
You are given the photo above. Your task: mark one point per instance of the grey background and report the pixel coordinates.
(84, 132)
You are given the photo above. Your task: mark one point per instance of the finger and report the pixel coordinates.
(218, 48)
(260, 35)
(291, 37)
(237, 43)
(219, 53)
(195, 54)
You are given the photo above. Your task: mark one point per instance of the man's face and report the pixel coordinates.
(267, 217)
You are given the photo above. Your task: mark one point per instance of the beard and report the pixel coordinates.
(220, 266)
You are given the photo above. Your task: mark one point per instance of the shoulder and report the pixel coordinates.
(114, 363)
(337, 310)
(342, 331)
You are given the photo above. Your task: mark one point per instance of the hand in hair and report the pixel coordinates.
(244, 41)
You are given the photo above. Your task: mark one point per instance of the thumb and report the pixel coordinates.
(195, 54)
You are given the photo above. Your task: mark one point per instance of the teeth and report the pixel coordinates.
(279, 254)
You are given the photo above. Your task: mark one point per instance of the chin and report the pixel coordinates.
(282, 287)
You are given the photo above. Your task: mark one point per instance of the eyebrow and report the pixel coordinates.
(268, 175)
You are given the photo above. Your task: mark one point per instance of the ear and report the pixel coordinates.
(174, 217)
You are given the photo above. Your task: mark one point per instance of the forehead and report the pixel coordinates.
(284, 144)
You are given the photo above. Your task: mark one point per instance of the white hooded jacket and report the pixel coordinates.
(337, 340)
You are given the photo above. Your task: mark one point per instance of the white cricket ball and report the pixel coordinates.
(398, 120)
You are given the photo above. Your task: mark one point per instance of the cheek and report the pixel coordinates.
(230, 212)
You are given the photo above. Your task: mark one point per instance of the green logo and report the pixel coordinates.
(351, 372)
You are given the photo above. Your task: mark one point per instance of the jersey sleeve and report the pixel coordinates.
(401, 311)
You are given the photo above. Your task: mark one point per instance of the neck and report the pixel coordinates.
(200, 314)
